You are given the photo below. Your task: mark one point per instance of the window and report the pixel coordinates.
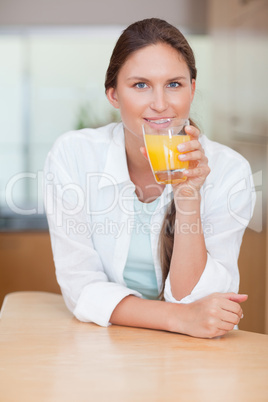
(52, 81)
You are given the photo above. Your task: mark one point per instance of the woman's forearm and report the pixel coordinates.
(154, 314)
(211, 316)
(189, 251)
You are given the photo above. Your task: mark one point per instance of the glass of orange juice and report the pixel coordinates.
(161, 138)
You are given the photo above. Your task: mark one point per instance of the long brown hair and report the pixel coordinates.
(137, 36)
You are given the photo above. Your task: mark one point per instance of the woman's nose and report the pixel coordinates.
(159, 102)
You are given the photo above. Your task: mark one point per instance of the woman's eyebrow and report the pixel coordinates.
(181, 77)
(136, 78)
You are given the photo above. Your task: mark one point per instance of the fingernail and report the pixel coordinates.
(181, 147)
(182, 156)
(242, 316)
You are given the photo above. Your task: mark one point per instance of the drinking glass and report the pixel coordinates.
(161, 140)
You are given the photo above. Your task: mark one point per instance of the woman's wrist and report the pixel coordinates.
(188, 208)
(175, 321)
(186, 196)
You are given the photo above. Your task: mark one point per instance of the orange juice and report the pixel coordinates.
(163, 155)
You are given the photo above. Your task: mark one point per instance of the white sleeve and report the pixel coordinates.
(86, 289)
(228, 210)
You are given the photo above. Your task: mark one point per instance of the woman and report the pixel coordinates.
(181, 273)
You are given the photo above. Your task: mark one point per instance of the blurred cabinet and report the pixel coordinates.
(26, 263)
(230, 12)
(239, 31)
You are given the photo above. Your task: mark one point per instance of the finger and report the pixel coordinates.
(232, 307)
(197, 171)
(229, 317)
(217, 333)
(190, 146)
(225, 326)
(238, 298)
(193, 156)
(192, 131)
(144, 152)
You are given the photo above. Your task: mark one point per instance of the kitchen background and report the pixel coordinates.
(53, 58)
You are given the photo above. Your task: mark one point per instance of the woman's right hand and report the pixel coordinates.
(211, 316)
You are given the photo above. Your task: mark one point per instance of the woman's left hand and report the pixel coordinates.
(198, 162)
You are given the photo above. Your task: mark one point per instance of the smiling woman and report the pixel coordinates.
(145, 258)
(153, 84)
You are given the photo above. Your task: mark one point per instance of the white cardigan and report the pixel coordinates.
(89, 204)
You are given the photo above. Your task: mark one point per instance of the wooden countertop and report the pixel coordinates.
(48, 355)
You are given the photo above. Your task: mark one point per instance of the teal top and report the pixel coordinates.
(139, 271)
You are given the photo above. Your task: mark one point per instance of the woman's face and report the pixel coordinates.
(153, 85)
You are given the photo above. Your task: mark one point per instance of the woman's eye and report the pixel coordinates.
(174, 84)
(141, 85)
